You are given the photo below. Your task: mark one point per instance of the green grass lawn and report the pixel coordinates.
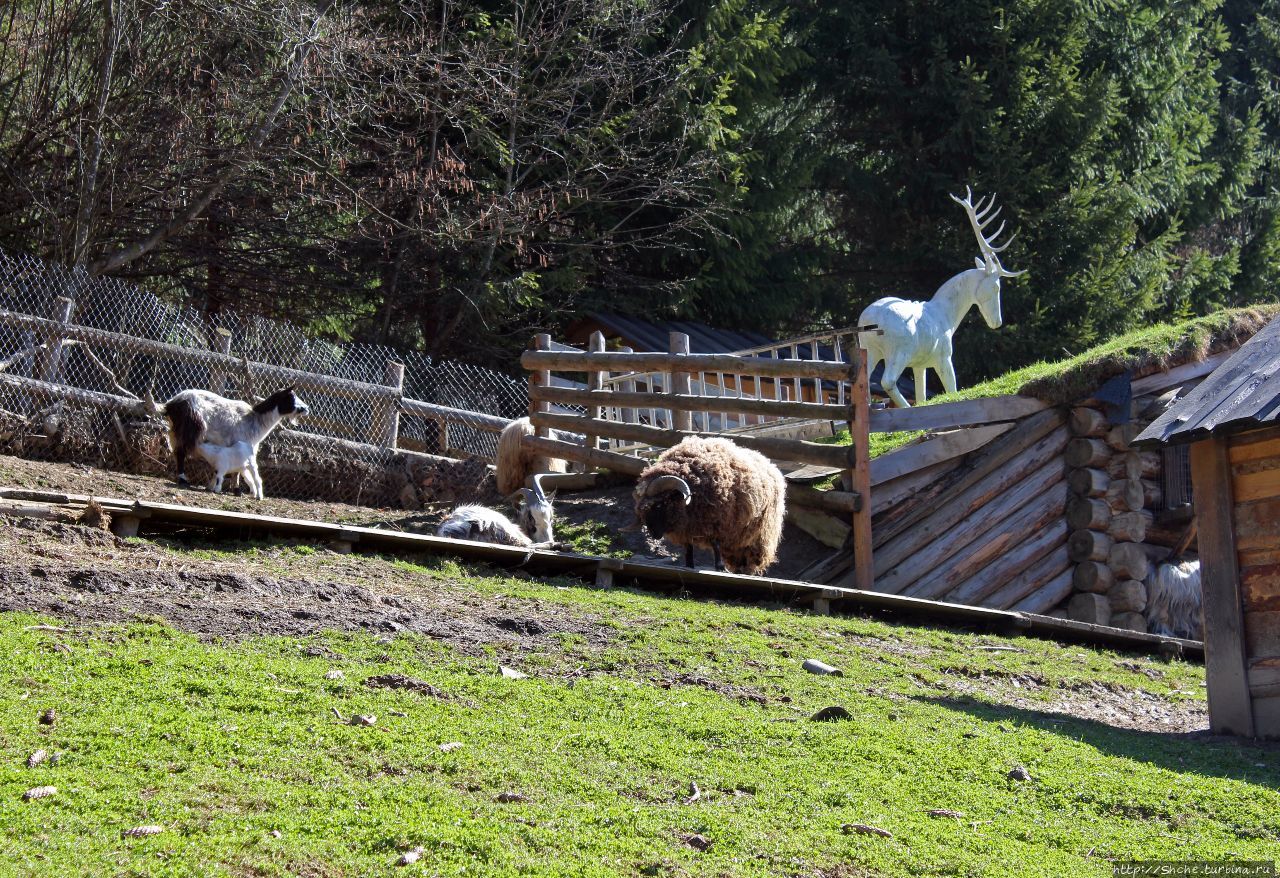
(226, 743)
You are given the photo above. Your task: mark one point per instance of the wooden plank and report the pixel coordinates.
(896, 572)
(949, 415)
(823, 527)
(1260, 485)
(947, 514)
(1230, 710)
(1162, 381)
(1256, 524)
(1260, 587)
(1041, 597)
(1266, 716)
(996, 543)
(941, 447)
(610, 460)
(860, 471)
(689, 402)
(1261, 634)
(1010, 565)
(775, 449)
(701, 581)
(1254, 445)
(828, 370)
(1043, 428)
(896, 490)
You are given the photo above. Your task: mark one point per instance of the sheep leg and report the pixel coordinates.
(715, 547)
(688, 555)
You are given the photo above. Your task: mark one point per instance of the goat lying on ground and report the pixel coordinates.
(200, 416)
(240, 458)
(534, 513)
(484, 525)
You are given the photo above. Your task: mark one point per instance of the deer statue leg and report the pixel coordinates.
(947, 373)
(894, 365)
(922, 384)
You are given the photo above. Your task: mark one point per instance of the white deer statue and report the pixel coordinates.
(918, 334)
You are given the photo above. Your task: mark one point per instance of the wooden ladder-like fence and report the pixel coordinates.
(541, 361)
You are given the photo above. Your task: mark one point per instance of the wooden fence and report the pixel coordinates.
(51, 339)
(676, 368)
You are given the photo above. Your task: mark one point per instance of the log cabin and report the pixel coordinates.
(1231, 422)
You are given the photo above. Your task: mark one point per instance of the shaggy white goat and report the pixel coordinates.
(200, 416)
(239, 458)
(1173, 600)
(484, 525)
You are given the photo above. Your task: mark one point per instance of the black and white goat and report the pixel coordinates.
(535, 517)
(199, 417)
(240, 458)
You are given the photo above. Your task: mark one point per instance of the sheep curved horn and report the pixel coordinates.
(670, 483)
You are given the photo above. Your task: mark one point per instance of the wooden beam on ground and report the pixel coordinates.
(949, 415)
(701, 582)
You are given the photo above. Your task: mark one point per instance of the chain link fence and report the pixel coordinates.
(76, 350)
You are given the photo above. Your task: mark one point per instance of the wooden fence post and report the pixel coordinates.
(540, 378)
(595, 380)
(218, 375)
(54, 341)
(679, 382)
(388, 419)
(860, 461)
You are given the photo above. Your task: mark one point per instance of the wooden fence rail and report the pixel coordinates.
(675, 397)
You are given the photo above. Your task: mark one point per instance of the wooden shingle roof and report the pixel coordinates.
(1241, 394)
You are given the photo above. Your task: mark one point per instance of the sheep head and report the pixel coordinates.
(661, 505)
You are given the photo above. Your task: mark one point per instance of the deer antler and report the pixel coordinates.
(980, 216)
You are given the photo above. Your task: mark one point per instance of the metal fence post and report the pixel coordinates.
(679, 382)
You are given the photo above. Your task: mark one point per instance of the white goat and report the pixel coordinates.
(200, 416)
(484, 525)
(239, 458)
(1174, 602)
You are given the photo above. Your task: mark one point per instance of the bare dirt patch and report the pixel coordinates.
(86, 574)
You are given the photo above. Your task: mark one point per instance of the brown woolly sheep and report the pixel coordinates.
(516, 463)
(713, 494)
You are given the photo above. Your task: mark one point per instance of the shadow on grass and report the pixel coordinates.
(1201, 752)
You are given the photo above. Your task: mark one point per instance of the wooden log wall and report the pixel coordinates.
(985, 529)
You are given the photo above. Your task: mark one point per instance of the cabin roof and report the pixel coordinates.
(1241, 394)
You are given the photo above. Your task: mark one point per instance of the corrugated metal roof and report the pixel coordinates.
(1242, 393)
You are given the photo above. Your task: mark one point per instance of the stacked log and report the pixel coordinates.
(1115, 537)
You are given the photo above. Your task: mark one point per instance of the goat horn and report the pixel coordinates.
(537, 487)
(668, 483)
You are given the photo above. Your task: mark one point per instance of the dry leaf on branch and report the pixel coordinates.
(39, 793)
(142, 831)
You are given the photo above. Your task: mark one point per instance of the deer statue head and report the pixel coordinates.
(987, 291)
